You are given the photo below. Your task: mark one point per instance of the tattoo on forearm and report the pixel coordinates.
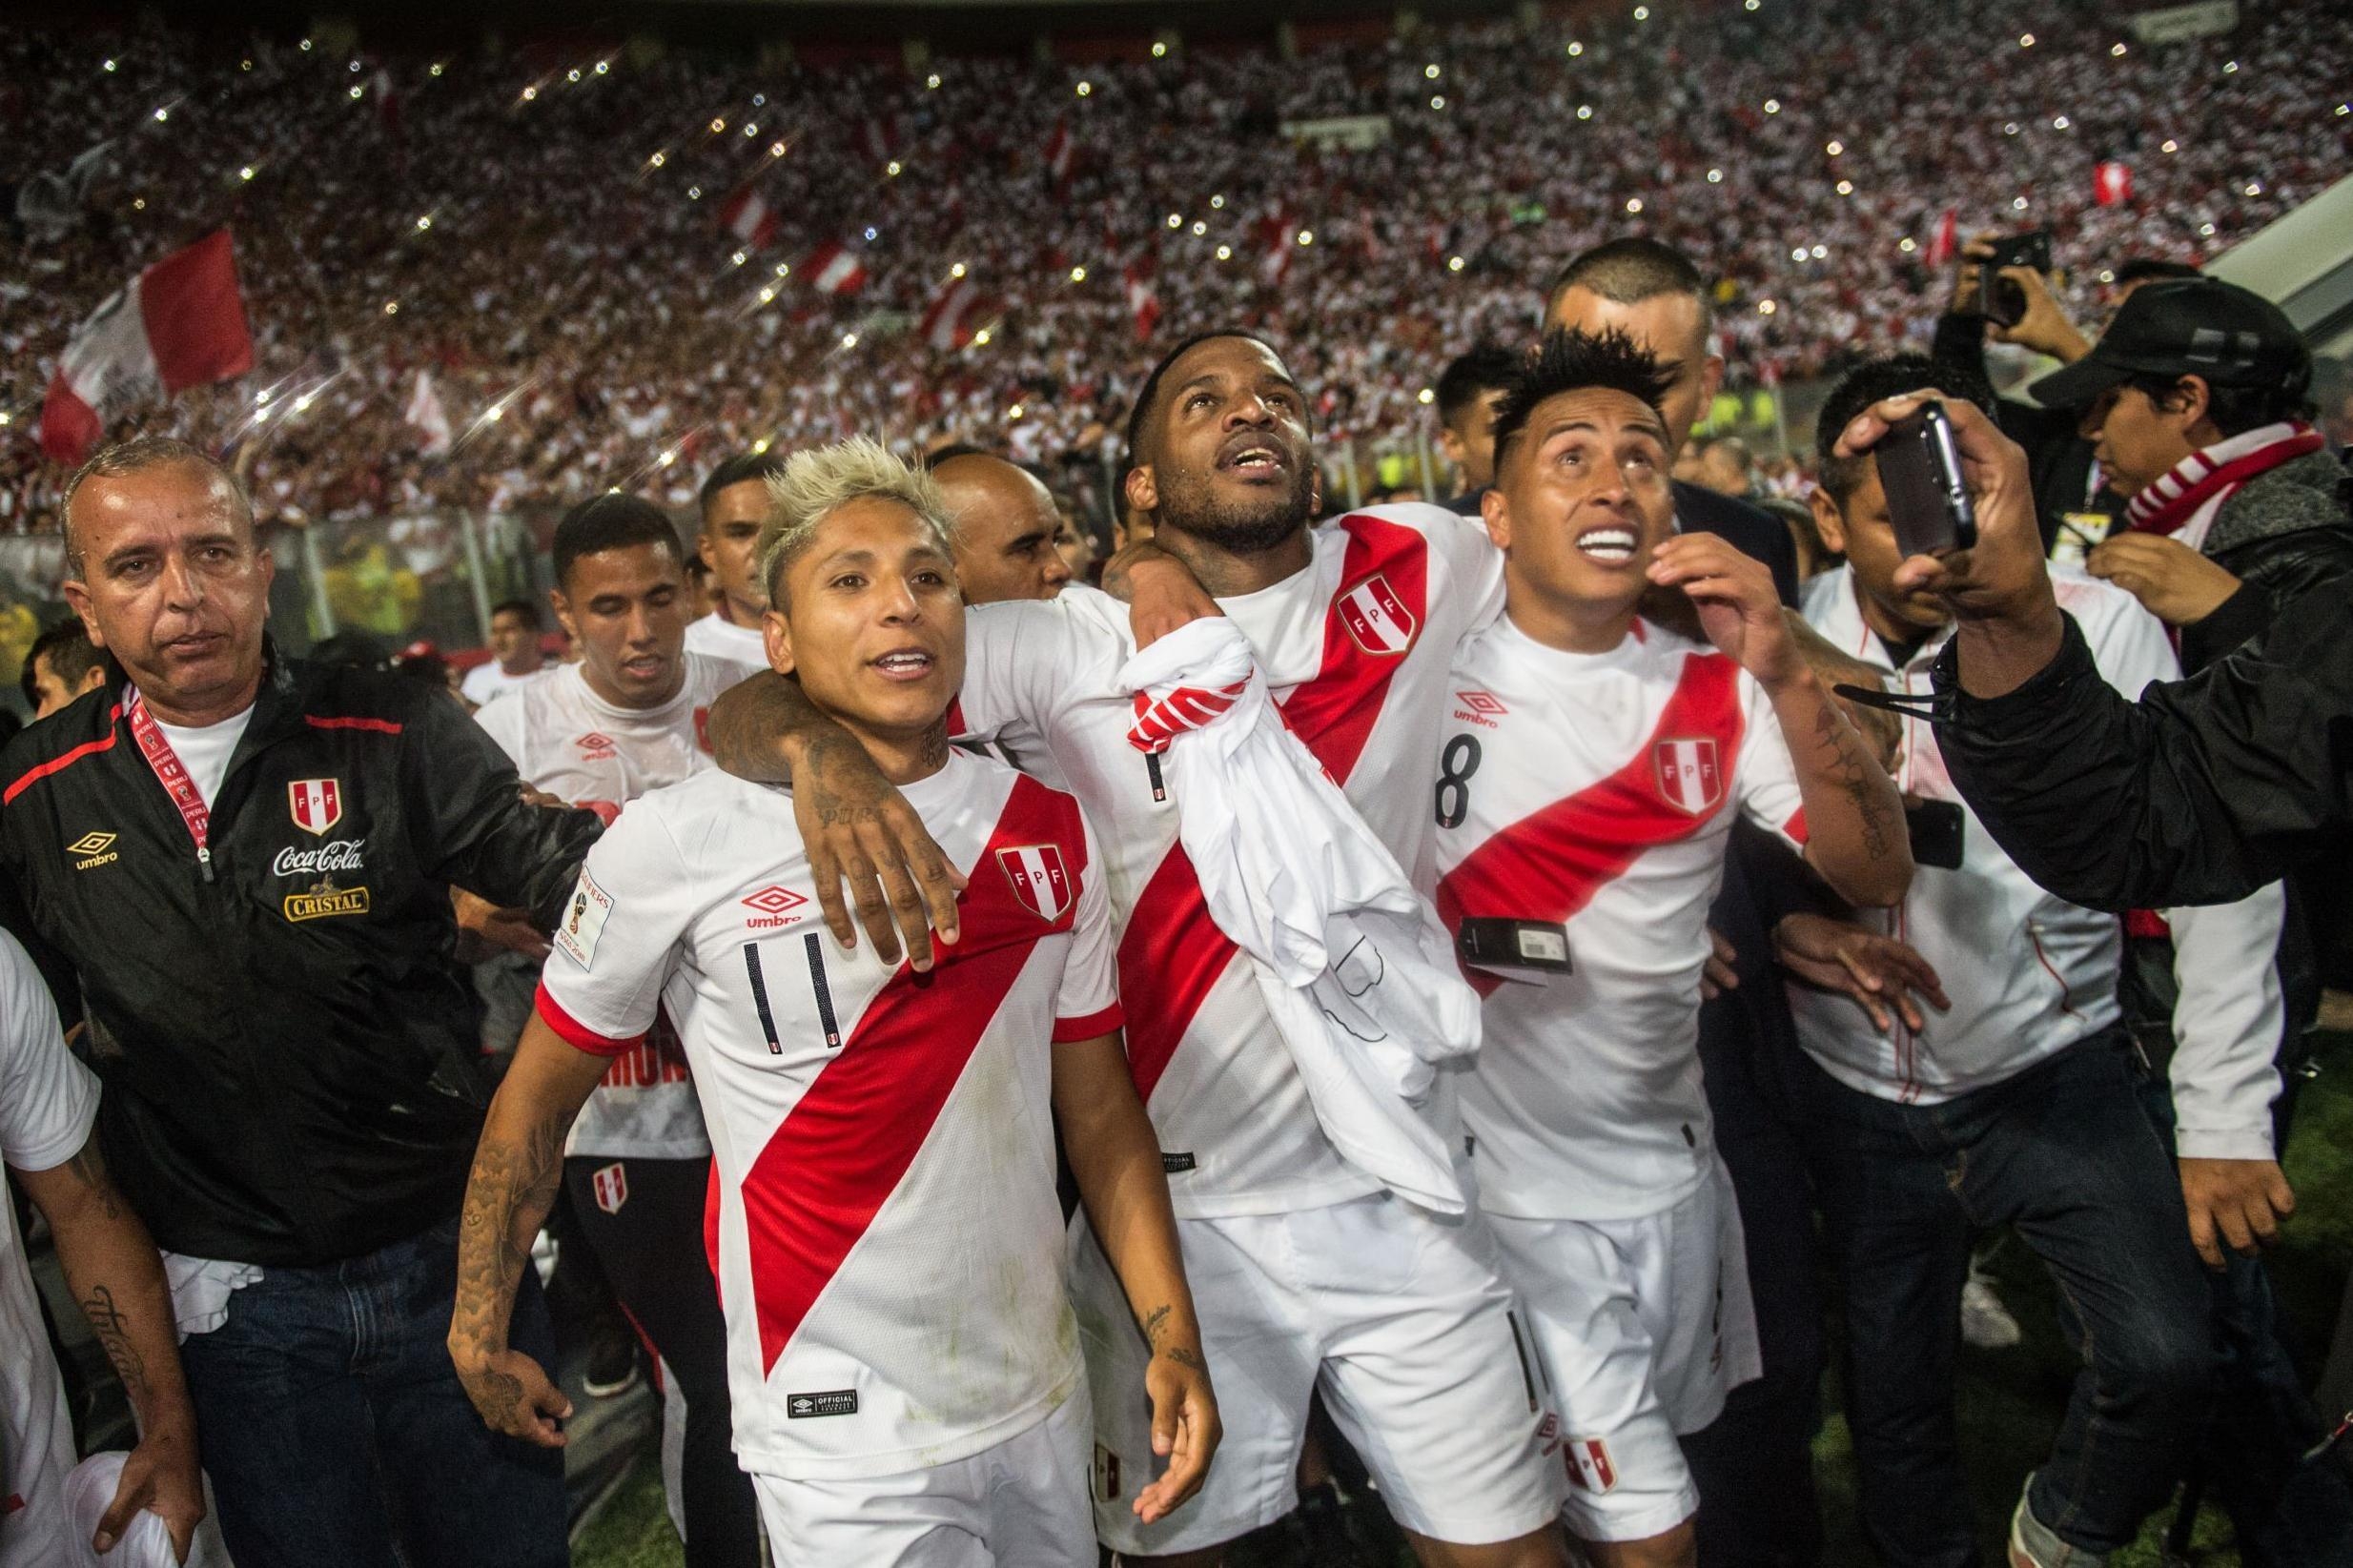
(1154, 1324)
(91, 1171)
(1185, 1358)
(746, 721)
(1852, 769)
(113, 1328)
(512, 1188)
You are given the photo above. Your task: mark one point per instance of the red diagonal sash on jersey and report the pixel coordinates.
(848, 1140)
(1172, 951)
(1548, 865)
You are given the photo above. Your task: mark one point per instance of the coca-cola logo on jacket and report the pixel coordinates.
(341, 855)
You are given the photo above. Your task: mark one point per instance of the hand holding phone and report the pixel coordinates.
(1920, 471)
(2000, 300)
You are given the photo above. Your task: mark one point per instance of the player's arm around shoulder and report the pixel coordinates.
(1854, 816)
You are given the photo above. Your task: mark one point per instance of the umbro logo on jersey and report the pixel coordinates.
(772, 906)
(316, 804)
(1689, 779)
(95, 849)
(802, 1407)
(596, 747)
(1478, 708)
(1376, 618)
(1039, 881)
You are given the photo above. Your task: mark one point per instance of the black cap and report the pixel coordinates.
(2197, 326)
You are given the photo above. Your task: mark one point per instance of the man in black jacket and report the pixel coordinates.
(247, 863)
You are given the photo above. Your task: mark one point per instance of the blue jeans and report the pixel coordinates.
(332, 1424)
(2064, 1153)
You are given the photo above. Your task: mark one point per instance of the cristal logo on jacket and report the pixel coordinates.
(341, 855)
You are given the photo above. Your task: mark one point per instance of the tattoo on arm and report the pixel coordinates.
(1185, 1358)
(90, 1169)
(1852, 769)
(513, 1186)
(113, 1328)
(746, 723)
(1155, 1325)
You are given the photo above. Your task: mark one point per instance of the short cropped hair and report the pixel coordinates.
(740, 469)
(2149, 269)
(816, 483)
(1629, 271)
(522, 607)
(1140, 415)
(1875, 381)
(1570, 360)
(1486, 368)
(136, 456)
(71, 654)
(610, 521)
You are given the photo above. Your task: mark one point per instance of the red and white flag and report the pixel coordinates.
(1058, 151)
(179, 323)
(1945, 243)
(426, 418)
(875, 136)
(947, 319)
(749, 217)
(1143, 297)
(1278, 237)
(834, 268)
(2112, 182)
(387, 99)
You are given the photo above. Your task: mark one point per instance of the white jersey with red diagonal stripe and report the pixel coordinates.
(888, 1246)
(564, 739)
(1594, 792)
(1355, 649)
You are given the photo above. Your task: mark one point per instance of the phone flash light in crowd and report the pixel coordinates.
(306, 46)
(777, 150)
(1216, 204)
(1455, 264)
(2205, 231)
(1425, 397)
(1307, 236)
(1014, 411)
(392, 307)
(658, 159)
(980, 339)
(2255, 188)
(751, 127)
(2230, 67)
(1430, 71)
(572, 75)
(162, 114)
(1766, 307)
(739, 258)
(1078, 275)
(1585, 111)
(355, 68)
(933, 81)
(957, 271)
(1846, 187)
(1225, 253)
(2026, 40)
(5, 418)
(2061, 122)
(1160, 50)
(1642, 14)
(1634, 204)
(1752, 4)
(1575, 49)
(1716, 176)
(891, 169)
(719, 123)
(355, 97)
(1199, 227)
(436, 66)
(2019, 204)
(138, 204)
(850, 339)
(1772, 105)
(246, 173)
(1176, 220)
(2116, 49)
(1835, 148)
(1907, 245)
(529, 94)
(603, 67)
(2172, 146)
(1437, 102)
(1085, 87)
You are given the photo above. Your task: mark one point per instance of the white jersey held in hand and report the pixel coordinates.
(888, 1244)
(1584, 799)
(564, 739)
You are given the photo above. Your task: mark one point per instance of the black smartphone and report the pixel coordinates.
(1498, 944)
(2000, 300)
(1920, 470)
(1935, 828)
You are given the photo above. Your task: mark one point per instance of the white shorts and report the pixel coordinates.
(1022, 1503)
(1398, 1317)
(1643, 1326)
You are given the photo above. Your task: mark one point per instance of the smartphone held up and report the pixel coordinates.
(1920, 470)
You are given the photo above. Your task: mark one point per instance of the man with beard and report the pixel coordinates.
(1309, 1274)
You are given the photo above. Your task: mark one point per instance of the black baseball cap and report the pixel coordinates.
(2196, 326)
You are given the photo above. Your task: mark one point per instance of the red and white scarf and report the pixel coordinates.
(2201, 482)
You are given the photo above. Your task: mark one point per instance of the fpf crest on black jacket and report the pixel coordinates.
(286, 1042)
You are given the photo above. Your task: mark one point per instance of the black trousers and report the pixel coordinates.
(647, 1235)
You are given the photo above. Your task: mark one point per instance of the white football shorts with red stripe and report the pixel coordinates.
(1642, 1327)
(1399, 1318)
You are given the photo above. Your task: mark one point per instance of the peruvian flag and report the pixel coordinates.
(179, 323)
(875, 136)
(426, 418)
(1276, 235)
(2112, 182)
(1059, 152)
(947, 319)
(387, 99)
(835, 268)
(1143, 297)
(749, 217)
(1946, 242)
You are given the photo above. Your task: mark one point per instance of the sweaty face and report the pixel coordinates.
(2136, 440)
(1226, 454)
(1005, 530)
(1859, 526)
(173, 584)
(514, 639)
(1671, 329)
(1580, 501)
(626, 611)
(730, 539)
(871, 621)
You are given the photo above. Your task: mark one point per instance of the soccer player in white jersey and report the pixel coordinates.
(627, 719)
(908, 1387)
(1588, 782)
(1310, 1275)
(735, 503)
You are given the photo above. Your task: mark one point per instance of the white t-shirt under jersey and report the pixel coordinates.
(564, 739)
(205, 750)
(1356, 648)
(488, 681)
(49, 1102)
(1595, 791)
(888, 1245)
(719, 638)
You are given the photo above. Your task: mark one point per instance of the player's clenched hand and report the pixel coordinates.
(1876, 971)
(1186, 1429)
(159, 1477)
(514, 1395)
(1738, 607)
(861, 831)
(2235, 1203)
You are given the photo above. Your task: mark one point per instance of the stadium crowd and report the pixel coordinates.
(541, 227)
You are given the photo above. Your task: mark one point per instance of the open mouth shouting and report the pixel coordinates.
(1250, 455)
